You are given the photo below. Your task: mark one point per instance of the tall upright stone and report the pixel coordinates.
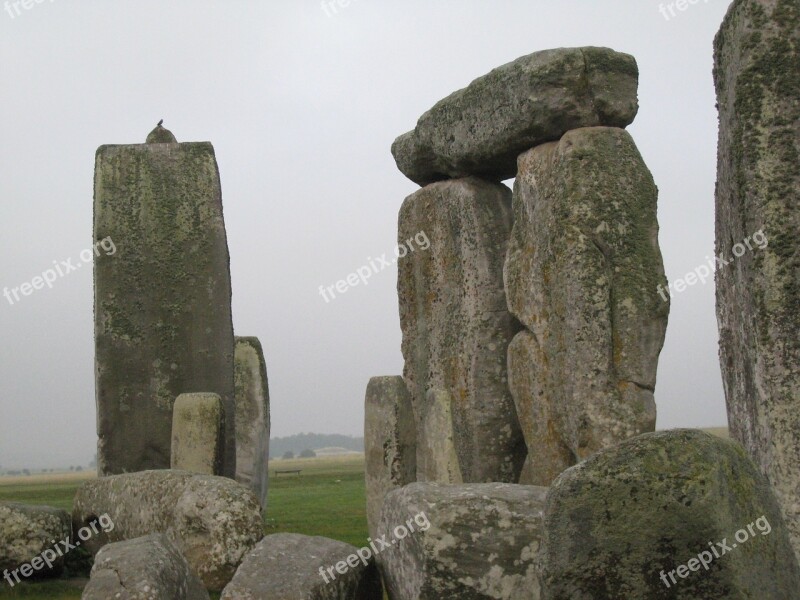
(582, 274)
(163, 301)
(757, 76)
(390, 443)
(252, 417)
(456, 324)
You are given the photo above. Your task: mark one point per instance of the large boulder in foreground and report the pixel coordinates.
(27, 534)
(390, 442)
(457, 326)
(462, 541)
(481, 129)
(757, 53)
(213, 521)
(677, 514)
(146, 568)
(289, 566)
(582, 274)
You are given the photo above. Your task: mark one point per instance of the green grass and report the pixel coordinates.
(327, 499)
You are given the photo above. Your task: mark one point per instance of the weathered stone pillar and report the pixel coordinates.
(252, 417)
(582, 274)
(390, 443)
(456, 324)
(198, 434)
(757, 75)
(162, 301)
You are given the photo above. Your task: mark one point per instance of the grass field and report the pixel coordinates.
(327, 498)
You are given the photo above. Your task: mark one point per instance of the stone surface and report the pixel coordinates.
(438, 458)
(160, 135)
(162, 301)
(481, 541)
(252, 417)
(26, 532)
(390, 442)
(456, 324)
(145, 568)
(288, 566)
(757, 53)
(617, 521)
(481, 129)
(198, 433)
(213, 521)
(582, 274)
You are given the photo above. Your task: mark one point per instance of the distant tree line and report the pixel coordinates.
(295, 444)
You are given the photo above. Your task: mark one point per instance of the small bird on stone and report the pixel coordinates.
(160, 123)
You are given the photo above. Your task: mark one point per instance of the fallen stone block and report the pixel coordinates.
(289, 566)
(480, 130)
(198, 433)
(390, 445)
(33, 541)
(676, 514)
(213, 521)
(470, 541)
(146, 568)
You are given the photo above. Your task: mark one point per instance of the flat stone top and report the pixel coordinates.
(107, 149)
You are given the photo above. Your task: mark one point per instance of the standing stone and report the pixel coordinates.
(145, 568)
(390, 443)
(456, 324)
(213, 521)
(26, 533)
(462, 541)
(757, 53)
(677, 514)
(289, 566)
(481, 129)
(582, 274)
(252, 417)
(198, 434)
(162, 302)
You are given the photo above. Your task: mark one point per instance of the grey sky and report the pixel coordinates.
(302, 108)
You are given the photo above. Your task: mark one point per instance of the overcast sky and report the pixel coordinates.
(302, 105)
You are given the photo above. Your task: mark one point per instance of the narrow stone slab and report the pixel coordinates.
(481, 129)
(145, 568)
(198, 433)
(162, 300)
(456, 323)
(289, 566)
(390, 442)
(582, 274)
(26, 534)
(438, 458)
(213, 521)
(252, 417)
(677, 514)
(757, 53)
(469, 541)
